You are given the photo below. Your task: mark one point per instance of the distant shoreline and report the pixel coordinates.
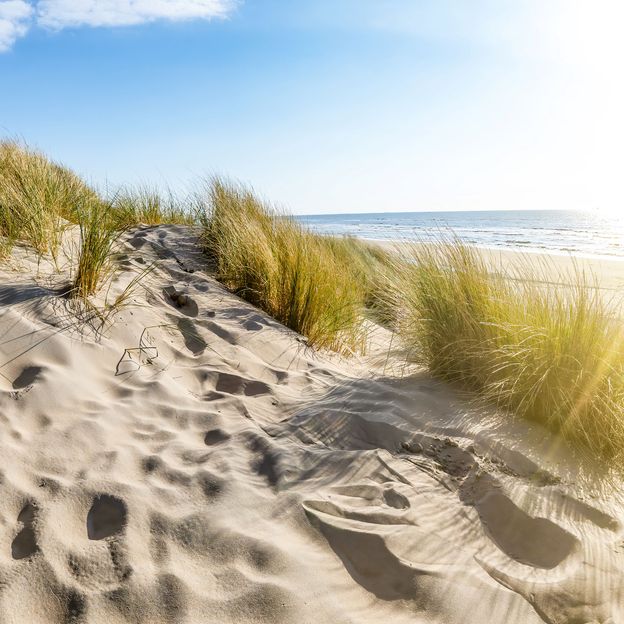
(581, 234)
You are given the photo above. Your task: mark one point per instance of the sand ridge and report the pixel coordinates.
(196, 462)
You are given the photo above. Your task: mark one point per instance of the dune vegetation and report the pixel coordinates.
(99, 232)
(143, 204)
(40, 200)
(552, 354)
(315, 285)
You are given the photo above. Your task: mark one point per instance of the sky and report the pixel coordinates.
(328, 106)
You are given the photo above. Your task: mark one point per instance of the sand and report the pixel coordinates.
(193, 461)
(557, 269)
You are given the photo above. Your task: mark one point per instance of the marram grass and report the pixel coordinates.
(38, 198)
(148, 206)
(99, 231)
(549, 353)
(307, 282)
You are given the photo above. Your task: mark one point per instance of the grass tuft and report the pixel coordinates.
(99, 231)
(147, 206)
(552, 354)
(38, 198)
(306, 281)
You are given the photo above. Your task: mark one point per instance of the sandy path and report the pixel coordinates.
(216, 470)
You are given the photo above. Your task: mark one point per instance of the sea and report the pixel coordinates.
(594, 234)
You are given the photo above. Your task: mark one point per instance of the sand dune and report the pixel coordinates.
(196, 462)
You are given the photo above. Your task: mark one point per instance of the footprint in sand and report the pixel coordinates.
(252, 325)
(25, 543)
(234, 384)
(107, 517)
(181, 300)
(534, 541)
(192, 339)
(27, 377)
(266, 462)
(216, 436)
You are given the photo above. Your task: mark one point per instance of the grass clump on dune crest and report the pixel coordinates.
(303, 280)
(145, 205)
(552, 354)
(38, 198)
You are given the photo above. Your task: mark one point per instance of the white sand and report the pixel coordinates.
(227, 473)
(560, 269)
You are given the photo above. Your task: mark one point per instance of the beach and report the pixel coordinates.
(556, 269)
(608, 274)
(191, 460)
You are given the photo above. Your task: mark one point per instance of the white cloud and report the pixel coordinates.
(60, 14)
(15, 17)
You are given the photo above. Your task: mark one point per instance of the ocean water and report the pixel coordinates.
(590, 234)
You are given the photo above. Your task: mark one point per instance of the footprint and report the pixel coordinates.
(180, 300)
(267, 461)
(75, 607)
(159, 549)
(532, 541)
(27, 377)
(138, 240)
(171, 593)
(392, 498)
(211, 485)
(193, 341)
(25, 543)
(107, 517)
(151, 464)
(216, 436)
(233, 384)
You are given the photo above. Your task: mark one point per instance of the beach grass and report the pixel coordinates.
(375, 270)
(99, 231)
(305, 281)
(38, 198)
(535, 349)
(148, 206)
(552, 354)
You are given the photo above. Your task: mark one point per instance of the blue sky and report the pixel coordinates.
(327, 106)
